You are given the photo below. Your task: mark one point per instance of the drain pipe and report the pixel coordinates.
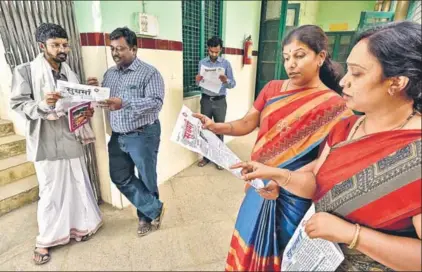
(378, 5)
(401, 10)
(386, 5)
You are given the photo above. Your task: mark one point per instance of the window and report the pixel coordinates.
(339, 45)
(200, 21)
(414, 13)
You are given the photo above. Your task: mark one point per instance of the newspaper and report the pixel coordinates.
(82, 93)
(305, 254)
(188, 133)
(211, 78)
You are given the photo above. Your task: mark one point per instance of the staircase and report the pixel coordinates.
(18, 183)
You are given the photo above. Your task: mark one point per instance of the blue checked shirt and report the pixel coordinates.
(220, 62)
(141, 88)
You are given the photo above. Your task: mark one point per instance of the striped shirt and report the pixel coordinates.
(220, 62)
(141, 88)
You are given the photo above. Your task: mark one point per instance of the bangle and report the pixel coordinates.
(231, 127)
(289, 177)
(355, 239)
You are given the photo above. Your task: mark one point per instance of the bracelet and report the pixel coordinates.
(289, 177)
(231, 127)
(355, 239)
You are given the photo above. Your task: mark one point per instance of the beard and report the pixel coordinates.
(61, 57)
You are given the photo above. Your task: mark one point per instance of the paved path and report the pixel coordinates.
(201, 208)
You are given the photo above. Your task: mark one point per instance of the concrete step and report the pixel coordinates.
(15, 168)
(18, 194)
(6, 128)
(11, 146)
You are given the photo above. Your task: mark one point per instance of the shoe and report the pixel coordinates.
(203, 162)
(156, 223)
(144, 228)
(219, 167)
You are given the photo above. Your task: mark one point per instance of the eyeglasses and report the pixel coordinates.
(56, 46)
(118, 49)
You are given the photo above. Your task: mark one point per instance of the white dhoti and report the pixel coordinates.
(67, 207)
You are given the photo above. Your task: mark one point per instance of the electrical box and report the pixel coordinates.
(148, 25)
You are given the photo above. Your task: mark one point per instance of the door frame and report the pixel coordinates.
(279, 72)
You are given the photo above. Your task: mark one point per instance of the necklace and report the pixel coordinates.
(362, 122)
(288, 82)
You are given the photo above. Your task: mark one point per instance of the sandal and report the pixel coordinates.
(156, 223)
(87, 237)
(203, 162)
(219, 167)
(144, 228)
(40, 258)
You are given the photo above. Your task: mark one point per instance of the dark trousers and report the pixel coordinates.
(137, 149)
(214, 109)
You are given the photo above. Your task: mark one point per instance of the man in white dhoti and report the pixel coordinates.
(67, 207)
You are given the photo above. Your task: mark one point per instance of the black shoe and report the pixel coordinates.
(144, 228)
(156, 223)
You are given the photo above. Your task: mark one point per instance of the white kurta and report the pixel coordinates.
(67, 207)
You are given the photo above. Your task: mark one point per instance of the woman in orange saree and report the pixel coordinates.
(292, 126)
(366, 184)
(294, 117)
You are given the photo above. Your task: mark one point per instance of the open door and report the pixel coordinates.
(277, 18)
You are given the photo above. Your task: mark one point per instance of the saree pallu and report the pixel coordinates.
(292, 126)
(374, 181)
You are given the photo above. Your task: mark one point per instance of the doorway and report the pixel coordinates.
(277, 19)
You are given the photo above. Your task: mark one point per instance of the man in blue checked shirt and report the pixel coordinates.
(137, 95)
(214, 105)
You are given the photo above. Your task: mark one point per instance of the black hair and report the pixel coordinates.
(47, 31)
(314, 37)
(215, 41)
(126, 33)
(397, 46)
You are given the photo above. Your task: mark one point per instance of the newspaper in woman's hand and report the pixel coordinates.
(188, 133)
(305, 254)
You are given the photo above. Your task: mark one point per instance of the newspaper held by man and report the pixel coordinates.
(82, 93)
(189, 133)
(211, 78)
(305, 254)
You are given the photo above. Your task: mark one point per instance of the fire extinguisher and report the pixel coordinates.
(247, 51)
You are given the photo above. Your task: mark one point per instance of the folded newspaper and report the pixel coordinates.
(82, 93)
(188, 133)
(305, 254)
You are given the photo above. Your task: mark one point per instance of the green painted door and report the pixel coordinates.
(277, 18)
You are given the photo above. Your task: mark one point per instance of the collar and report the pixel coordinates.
(133, 66)
(60, 72)
(219, 59)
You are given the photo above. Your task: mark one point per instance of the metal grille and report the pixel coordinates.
(191, 21)
(212, 21)
(370, 19)
(416, 12)
(193, 30)
(18, 23)
(19, 20)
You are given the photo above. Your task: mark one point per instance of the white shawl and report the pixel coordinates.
(43, 82)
